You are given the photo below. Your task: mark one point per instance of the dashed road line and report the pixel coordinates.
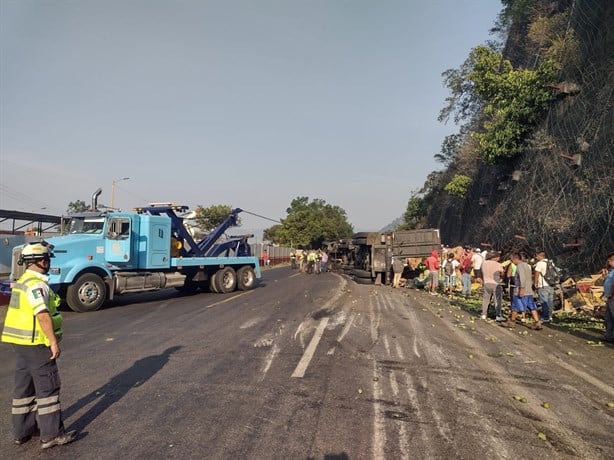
(228, 299)
(299, 372)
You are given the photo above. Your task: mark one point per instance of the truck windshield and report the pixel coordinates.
(90, 225)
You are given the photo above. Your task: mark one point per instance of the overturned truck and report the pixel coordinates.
(367, 256)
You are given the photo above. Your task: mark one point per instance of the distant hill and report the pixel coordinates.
(392, 225)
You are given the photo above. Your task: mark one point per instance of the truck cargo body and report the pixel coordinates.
(370, 253)
(107, 254)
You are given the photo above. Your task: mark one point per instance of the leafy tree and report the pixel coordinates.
(552, 35)
(416, 211)
(209, 218)
(513, 101)
(463, 104)
(449, 149)
(77, 206)
(517, 9)
(309, 224)
(459, 185)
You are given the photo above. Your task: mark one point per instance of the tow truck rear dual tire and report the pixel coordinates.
(246, 278)
(225, 280)
(87, 293)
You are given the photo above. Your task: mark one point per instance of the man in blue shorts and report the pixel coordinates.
(522, 297)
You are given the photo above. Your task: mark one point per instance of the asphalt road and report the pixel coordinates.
(316, 366)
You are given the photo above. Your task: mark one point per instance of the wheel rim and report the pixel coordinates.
(247, 278)
(89, 293)
(227, 280)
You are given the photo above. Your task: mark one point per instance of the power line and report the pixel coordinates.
(262, 217)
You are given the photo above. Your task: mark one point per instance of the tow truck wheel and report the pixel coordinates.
(246, 278)
(225, 280)
(213, 283)
(88, 293)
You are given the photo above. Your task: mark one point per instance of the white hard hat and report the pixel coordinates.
(36, 250)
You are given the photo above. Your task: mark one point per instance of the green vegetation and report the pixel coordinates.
(565, 321)
(509, 102)
(459, 185)
(209, 218)
(77, 206)
(309, 224)
(415, 212)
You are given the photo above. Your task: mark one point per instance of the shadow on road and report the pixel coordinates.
(116, 388)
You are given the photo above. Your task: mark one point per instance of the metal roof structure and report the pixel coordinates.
(38, 222)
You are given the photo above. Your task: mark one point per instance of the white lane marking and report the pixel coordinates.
(296, 274)
(299, 372)
(394, 385)
(269, 360)
(386, 345)
(587, 377)
(416, 352)
(374, 317)
(400, 426)
(228, 299)
(379, 433)
(250, 323)
(331, 351)
(299, 330)
(399, 351)
(413, 401)
(346, 328)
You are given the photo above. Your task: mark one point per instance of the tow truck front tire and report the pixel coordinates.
(87, 293)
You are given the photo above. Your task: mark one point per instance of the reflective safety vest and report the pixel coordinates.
(21, 326)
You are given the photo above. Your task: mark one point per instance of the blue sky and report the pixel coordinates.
(249, 103)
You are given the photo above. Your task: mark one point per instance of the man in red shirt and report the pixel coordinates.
(432, 265)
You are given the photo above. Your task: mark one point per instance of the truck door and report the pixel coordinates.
(118, 239)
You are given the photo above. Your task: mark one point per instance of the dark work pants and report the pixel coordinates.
(36, 397)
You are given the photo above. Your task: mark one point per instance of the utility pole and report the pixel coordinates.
(113, 190)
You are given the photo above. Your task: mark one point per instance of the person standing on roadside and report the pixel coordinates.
(449, 269)
(466, 267)
(608, 294)
(292, 260)
(324, 261)
(432, 265)
(522, 299)
(34, 328)
(397, 270)
(265, 258)
(492, 271)
(477, 260)
(545, 292)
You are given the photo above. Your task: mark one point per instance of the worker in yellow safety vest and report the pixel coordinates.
(33, 326)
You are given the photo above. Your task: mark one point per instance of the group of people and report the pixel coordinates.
(309, 261)
(474, 265)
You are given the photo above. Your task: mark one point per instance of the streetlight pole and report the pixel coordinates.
(113, 190)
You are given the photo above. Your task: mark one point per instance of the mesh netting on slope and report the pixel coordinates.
(559, 195)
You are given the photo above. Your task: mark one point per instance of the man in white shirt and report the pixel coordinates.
(545, 292)
(477, 261)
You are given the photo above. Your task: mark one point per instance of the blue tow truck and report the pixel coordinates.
(105, 254)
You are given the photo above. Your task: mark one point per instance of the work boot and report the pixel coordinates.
(508, 323)
(60, 440)
(26, 438)
(537, 326)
